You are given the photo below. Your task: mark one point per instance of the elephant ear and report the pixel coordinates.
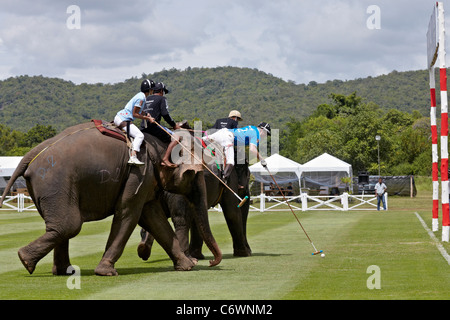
(188, 160)
(183, 175)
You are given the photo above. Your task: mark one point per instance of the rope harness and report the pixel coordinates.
(63, 137)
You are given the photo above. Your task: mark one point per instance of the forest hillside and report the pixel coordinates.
(202, 93)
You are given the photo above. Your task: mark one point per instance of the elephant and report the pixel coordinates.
(177, 207)
(81, 175)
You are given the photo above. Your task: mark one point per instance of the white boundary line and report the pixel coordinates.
(433, 237)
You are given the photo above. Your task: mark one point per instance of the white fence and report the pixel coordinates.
(305, 202)
(302, 202)
(18, 203)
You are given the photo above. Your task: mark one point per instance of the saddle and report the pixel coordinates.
(111, 130)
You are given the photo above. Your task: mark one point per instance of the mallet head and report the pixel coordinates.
(243, 201)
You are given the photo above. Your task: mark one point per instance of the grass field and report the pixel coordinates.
(281, 268)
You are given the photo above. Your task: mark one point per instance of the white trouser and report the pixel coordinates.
(134, 132)
(226, 139)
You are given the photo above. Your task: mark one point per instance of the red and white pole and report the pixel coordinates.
(432, 54)
(434, 152)
(444, 126)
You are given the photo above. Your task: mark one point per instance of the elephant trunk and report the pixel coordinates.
(202, 221)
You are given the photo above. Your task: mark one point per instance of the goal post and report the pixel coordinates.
(435, 51)
(444, 124)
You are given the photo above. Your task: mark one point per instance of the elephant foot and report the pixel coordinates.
(144, 251)
(26, 260)
(197, 254)
(184, 264)
(61, 271)
(194, 260)
(106, 269)
(242, 253)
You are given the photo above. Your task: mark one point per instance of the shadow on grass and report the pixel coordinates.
(254, 254)
(152, 266)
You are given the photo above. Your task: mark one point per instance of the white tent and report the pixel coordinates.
(8, 165)
(325, 170)
(283, 169)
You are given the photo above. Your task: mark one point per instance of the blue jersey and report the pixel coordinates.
(246, 135)
(126, 114)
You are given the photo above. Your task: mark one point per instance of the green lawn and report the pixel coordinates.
(281, 268)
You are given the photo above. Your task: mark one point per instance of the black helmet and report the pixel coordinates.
(160, 86)
(265, 126)
(146, 85)
(166, 91)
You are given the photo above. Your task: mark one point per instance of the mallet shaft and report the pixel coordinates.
(279, 189)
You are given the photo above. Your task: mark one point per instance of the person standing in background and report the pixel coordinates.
(380, 189)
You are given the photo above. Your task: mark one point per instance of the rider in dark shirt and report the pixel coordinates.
(230, 123)
(156, 105)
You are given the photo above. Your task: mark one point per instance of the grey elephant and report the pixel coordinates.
(81, 175)
(179, 209)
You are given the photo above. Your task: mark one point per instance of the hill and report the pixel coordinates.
(202, 93)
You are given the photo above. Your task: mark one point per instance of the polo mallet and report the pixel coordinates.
(242, 201)
(279, 189)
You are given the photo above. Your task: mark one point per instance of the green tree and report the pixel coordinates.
(347, 129)
(17, 143)
(8, 139)
(37, 134)
(341, 106)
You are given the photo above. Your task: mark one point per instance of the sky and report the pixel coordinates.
(109, 41)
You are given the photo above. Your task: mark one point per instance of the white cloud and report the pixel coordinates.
(295, 40)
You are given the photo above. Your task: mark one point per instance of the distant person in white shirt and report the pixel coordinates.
(380, 189)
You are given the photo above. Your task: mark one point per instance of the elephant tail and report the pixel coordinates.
(20, 171)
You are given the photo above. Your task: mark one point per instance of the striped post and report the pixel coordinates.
(444, 125)
(434, 152)
(432, 55)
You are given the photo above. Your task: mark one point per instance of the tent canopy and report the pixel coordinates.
(8, 165)
(325, 170)
(326, 162)
(283, 170)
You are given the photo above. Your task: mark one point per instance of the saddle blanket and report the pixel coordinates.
(109, 129)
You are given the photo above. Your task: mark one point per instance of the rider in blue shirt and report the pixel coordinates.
(133, 109)
(246, 136)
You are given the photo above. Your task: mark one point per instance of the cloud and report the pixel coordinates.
(294, 40)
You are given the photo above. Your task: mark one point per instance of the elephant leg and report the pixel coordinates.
(243, 174)
(144, 248)
(234, 221)
(36, 250)
(155, 221)
(122, 227)
(57, 235)
(244, 214)
(61, 259)
(182, 219)
(182, 234)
